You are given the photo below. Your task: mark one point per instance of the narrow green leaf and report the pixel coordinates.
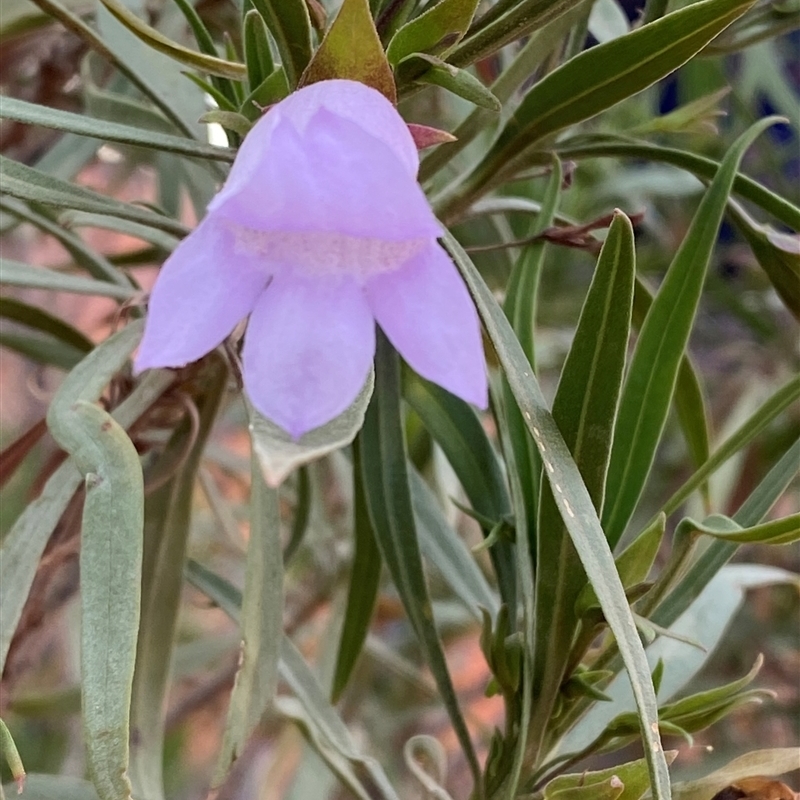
(531, 55)
(765, 21)
(698, 116)
(257, 52)
(14, 273)
(11, 754)
(42, 349)
(423, 68)
(352, 49)
(41, 320)
(262, 623)
(521, 19)
(224, 594)
(704, 168)
(777, 253)
(779, 531)
(153, 38)
(271, 90)
(521, 306)
(27, 183)
(167, 526)
(444, 549)
(365, 576)
(584, 408)
(576, 507)
(633, 563)
(742, 436)
(689, 398)
(714, 557)
(631, 782)
(331, 738)
(96, 265)
(23, 545)
(33, 114)
(280, 455)
(458, 431)
(604, 75)
(206, 44)
(82, 219)
(385, 476)
(608, 21)
(316, 716)
(208, 88)
(651, 379)
(436, 31)
(232, 121)
(290, 26)
(302, 514)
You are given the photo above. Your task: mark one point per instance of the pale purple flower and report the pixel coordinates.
(320, 231)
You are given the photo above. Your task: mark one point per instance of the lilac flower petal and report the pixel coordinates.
(349, 100)
(307, 352)
(425, 310)
(333, 177)
(204, 288)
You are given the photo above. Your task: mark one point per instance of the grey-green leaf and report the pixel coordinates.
(27, 183)
(110, 557)
(262, 622)
(15, 273)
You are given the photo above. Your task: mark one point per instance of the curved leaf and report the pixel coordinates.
(159, 42)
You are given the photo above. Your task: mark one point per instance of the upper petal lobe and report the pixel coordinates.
(204, 288)
(331, 177)
(426, 311)
(349, 100)
(308, 350)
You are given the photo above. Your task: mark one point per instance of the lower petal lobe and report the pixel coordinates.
(308, 350)
(204, 288)
(426, 311)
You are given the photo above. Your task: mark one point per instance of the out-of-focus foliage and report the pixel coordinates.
(415, 599)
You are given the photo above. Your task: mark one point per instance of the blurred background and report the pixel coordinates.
(745, 345)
